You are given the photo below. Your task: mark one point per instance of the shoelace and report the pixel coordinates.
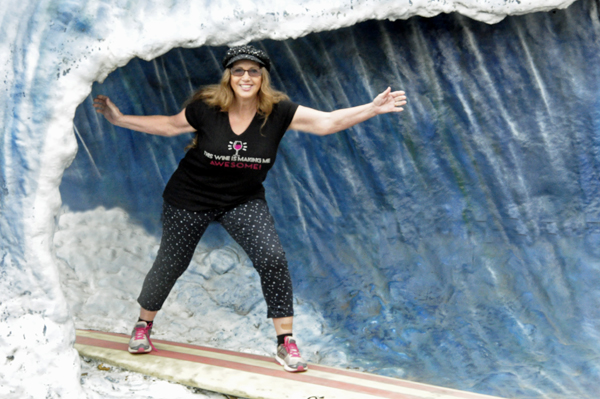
(292, 349)
(141, 332)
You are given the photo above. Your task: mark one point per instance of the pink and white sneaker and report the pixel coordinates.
(289, 357)
(140, 338)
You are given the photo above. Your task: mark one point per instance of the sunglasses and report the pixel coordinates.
(253, 72)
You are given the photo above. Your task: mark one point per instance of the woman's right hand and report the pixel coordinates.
(159, 125)
(107, 108)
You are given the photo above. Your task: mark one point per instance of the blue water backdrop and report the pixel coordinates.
(455, 243)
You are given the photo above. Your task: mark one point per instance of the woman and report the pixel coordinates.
(239, 124)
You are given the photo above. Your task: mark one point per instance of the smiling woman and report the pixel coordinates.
(246, 85)
(242, 113)
(254, 86)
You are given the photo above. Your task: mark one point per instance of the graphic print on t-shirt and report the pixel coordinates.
(237, 146)
(235, 160)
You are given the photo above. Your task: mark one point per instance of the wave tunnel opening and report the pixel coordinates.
(445, 245)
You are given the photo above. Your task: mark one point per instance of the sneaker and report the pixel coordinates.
(140, 338)
(289, 357)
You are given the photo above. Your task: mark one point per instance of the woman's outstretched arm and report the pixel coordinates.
(156, 124)
(322, 123)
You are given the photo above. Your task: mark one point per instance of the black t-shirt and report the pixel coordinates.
(226, 169)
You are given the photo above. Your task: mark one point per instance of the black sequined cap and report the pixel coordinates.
(247, 52)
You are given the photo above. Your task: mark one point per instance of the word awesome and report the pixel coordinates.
(240, 165)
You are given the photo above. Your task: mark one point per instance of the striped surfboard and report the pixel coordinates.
(251, 376)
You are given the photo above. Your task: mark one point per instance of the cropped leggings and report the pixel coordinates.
(251, 226)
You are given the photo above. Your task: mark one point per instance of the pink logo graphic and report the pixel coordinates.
(237, 146)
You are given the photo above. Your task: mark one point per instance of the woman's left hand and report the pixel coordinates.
(317, 122)
(389, 101)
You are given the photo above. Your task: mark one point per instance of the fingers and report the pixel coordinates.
(390, 101)
(399, 98)
(100, 99)
(101, 103)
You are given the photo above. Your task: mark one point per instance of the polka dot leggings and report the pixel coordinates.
(251, 226)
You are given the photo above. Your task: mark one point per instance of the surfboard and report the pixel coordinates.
(249, 376)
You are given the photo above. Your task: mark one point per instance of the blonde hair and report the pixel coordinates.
(221, 96)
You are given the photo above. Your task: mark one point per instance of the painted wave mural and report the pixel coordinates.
(453, 244)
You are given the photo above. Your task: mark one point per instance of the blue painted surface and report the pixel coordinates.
(454, 244)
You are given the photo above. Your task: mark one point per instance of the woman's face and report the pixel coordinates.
(245, 86)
